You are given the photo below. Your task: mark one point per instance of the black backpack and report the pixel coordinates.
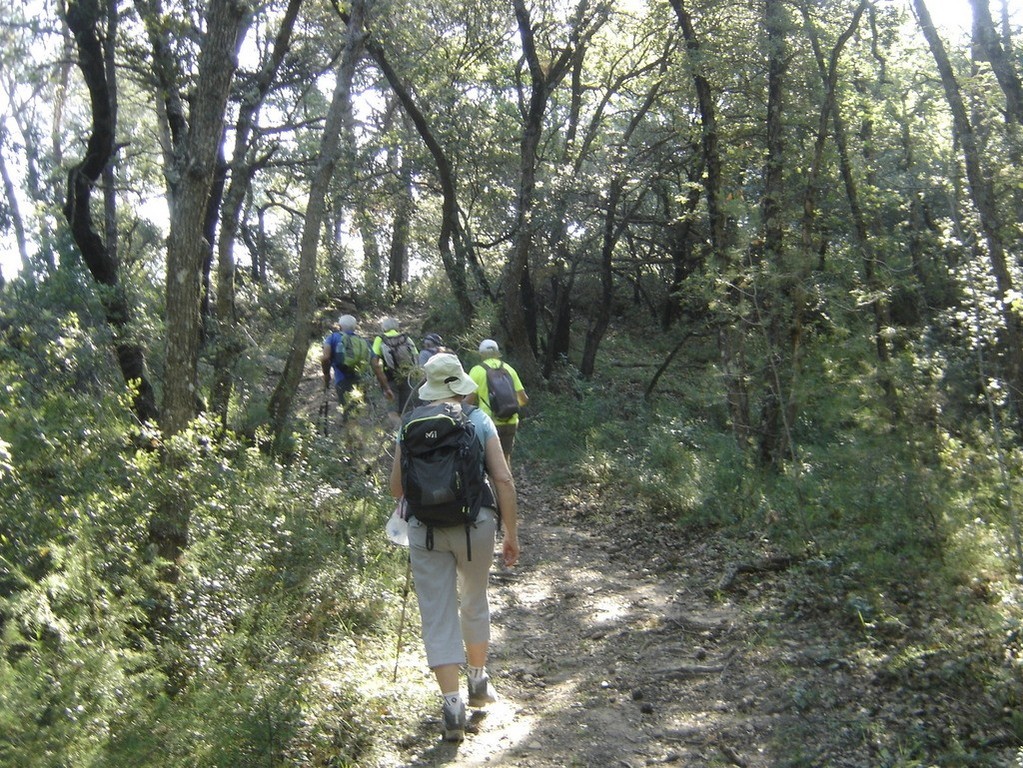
(503, 399)
(442, 468)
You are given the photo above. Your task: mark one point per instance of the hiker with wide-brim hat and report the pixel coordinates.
(451, 566)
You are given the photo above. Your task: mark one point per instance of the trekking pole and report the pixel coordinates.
(326, 410)
(325, 366)
(401, 622)
(410, 401)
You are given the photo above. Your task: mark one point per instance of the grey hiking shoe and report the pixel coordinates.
(481, 692)
(454, 722)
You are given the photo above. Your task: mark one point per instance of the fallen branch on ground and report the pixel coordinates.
(767, 565)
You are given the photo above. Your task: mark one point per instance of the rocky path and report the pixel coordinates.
(621, 641)
(607, 652)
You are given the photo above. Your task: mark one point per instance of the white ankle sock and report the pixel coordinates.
(452, 699)
(477, 673)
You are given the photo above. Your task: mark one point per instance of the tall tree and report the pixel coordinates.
(614, 225)
(544, 76)
(982, 193)
(13, 208)
(989, 46)
(398, 253)
(453, 243)
(85, 19)
(730, 340)
(244, 165)
(777, 307)
(196, 145)
(831, 112)
(339, 117)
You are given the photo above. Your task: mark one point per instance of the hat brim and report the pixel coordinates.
(460, 386)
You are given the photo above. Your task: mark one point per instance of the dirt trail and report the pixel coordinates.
(607, 652)
(611, 646)
(621, 641)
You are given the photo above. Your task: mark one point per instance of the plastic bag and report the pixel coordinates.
(397, 525)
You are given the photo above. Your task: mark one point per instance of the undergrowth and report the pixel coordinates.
(288, 598)
(285, 573)
(900, 533)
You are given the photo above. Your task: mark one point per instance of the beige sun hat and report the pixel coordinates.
(445, 378)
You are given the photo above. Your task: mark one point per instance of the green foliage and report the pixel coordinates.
(900, 527)
(285, 565)
(895, 471)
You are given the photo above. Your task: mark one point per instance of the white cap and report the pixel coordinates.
(347, 322)
(489, 347)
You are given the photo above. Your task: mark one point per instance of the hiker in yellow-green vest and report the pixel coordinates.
(499, 393)
(394, 361)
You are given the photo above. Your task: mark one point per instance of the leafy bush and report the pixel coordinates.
(284, 565)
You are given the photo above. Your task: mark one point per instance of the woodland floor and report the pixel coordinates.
(622, 641)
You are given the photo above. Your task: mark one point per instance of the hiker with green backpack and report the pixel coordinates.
(499, 393)
(448, 468)
(347, 354)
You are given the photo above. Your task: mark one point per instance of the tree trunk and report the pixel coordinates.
(778, 307)
(339, 116)
(557, 344)
(997, 51)
(680, 248)
(830, 113)
(209, 228)
(397, 259)
(449, 242)
(712, 178)
(989, 47)
(731, 344)
(243, 168)
(544, 78)
(372, 261)
(611, 234)
(194, 168)
(12, 205)
(983, 196)
(516, 268)
(83, 20)
(559, 336)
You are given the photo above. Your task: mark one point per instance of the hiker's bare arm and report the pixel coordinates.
(325, 356)
(507, 503)
(396, 490)
(523, 398)
(378, 368)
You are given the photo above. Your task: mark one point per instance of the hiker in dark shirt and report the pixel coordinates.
(432, 344)
(451, 576)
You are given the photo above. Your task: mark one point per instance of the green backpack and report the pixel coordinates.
(351, 354)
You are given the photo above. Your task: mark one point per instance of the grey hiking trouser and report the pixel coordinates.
(450, 588)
